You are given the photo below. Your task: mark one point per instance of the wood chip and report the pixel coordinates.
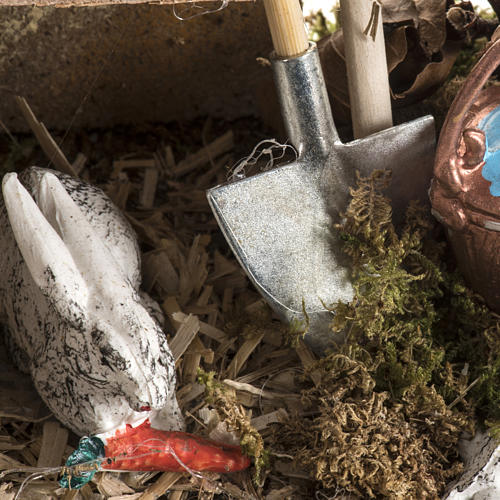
(221, 145)
(135, 163)
(79, 163)
(54, 440)
(205, 328)
(261, 393)
(286, 492)
(109, 484)
(192, 359)
(205, 295)
(147, 196)
(177, 495)
(184, 336)
(308, 358)
(134, 496)
(242, 355)
(189, 393)
(278, 416)
(161, 486)
(158, 268)
(169, 159)
(265, 371)
(46, 141)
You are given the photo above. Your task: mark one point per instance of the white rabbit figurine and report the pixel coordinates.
(69, 292)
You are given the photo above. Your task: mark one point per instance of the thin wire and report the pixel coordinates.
(90, 90)
(160, 447)
(192, 6)
(238, 170)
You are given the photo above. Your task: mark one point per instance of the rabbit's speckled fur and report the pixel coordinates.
(97, 365)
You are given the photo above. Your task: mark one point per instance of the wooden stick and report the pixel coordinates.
(46, 141)
(367, 75)
(287, 27)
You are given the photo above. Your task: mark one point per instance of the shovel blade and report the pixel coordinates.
(280, 223)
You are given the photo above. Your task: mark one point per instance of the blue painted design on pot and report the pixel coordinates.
(490, 125)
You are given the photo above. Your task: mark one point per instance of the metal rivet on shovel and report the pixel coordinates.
(279, 222)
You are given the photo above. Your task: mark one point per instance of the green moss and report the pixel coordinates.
(236, 419)
(412, 316)
(420, 362)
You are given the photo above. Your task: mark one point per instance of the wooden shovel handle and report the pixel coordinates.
(286, 24)
(367, 76)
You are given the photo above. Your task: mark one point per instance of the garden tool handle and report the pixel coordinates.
(367, 74)
(448, 160)
(287, 27)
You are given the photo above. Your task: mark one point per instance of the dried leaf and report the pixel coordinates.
(432, 24)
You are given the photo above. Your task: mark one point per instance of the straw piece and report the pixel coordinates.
(109, 485)
(308, 359)
(46, 141)
(221, 145)
(161, 486)
(188, 393)
(54, 440)
(274, 417)
(147, 196)
(135, 163)
(265, 370)
(158, 268)
(205, 328)
(184, 336)
(242, 355)
(192, 360)
(79, 163)
(259, 392)
(134, 496)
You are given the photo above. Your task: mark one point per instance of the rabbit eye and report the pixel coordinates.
(145, 408)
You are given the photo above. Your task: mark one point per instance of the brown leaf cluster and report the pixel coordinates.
(422, 44)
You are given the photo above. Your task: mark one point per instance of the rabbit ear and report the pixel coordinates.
(48, 259)
(92, 257)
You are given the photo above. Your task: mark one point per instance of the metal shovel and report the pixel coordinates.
(279, 223)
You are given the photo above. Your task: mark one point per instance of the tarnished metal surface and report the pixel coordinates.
(462, 196)
(280, 223)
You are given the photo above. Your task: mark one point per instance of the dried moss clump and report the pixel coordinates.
(420, 359)
(236, 419)
(368, 444)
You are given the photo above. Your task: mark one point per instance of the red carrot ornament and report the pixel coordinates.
(143, 448)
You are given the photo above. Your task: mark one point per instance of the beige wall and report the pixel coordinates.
(106, 65)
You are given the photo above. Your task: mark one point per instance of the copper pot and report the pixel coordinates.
(465, 191)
